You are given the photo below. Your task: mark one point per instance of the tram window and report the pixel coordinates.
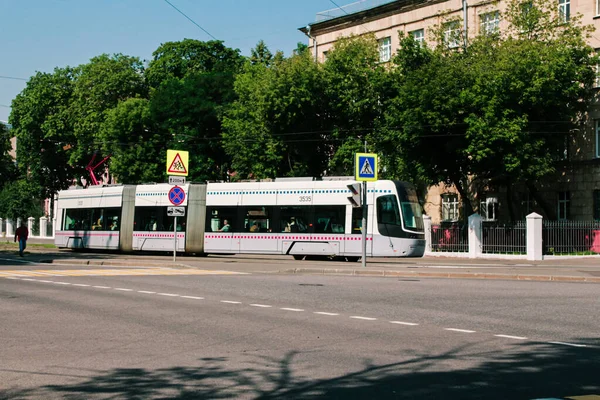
(85, 219)
(329, 219)
(295, 219)
(216, 217)
(388, 211)
(258, 219)
(357, 214)
(151, 219)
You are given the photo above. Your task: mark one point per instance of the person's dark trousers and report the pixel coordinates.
(22, 246)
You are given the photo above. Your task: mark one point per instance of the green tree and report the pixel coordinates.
(100, 85)
(191, 57)
(20, 199)
(138, 149)
(42, 122)
(7, 165)
(261, 54)
(278, 124)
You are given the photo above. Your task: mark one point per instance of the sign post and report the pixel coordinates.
(176, 197)
(365, 170)
(177, 169)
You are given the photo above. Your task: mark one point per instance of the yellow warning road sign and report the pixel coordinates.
(177, 162)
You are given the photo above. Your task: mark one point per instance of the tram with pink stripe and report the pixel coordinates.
(303, 218)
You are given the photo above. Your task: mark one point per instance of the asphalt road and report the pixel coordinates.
(189, 334)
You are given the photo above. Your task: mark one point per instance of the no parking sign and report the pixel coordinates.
(176, 195)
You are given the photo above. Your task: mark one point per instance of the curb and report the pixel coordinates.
(113, 263)
(447, 275)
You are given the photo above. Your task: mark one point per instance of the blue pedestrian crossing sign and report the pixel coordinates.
(365, 167)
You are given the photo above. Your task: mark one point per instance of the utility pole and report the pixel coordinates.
(465, 24)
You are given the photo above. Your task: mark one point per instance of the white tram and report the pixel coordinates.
(298, 218)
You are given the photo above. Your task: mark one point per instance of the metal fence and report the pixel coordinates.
(450, 238)
(571, 237)
(35, 227)
(504, 238)
(50, 228)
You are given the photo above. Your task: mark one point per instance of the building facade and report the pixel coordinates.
(574, 193)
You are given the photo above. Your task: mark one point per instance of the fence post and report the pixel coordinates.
(9, 228)
(534, 237)
(43, 226)
(30, 225)
(54, 227)
(475, 235)
(1, 230)
(427, 227)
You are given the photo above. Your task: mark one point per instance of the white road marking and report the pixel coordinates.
(291, 309)
(404, 323)
(10, 277)
(512, 337)
(145, 292)
(325, 313)
(459, 330)
(168, 294)
(62, 283)
(41, 280)
(28, 279)
(193, 297)
(569, 344)
(123, 289)
(101, 287)
(231, 302)
(75, 284)
(363, 318)
(261, 305)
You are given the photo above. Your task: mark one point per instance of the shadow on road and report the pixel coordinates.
(532, 370)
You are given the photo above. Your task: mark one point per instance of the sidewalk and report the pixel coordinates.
(585, 269)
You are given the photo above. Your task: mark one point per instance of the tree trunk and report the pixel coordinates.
(467, 205)
(548, 209)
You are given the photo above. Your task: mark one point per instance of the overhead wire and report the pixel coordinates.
(191, 20)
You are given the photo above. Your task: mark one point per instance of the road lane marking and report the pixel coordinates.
(569, 344)
(404, 323)
(326, 313)
(45, 281)
(62, 283)
(512, 337)
(145, 292)
(75, 284)
(101, 287)
(123, 289)
(168, 294)
(363, 318)
(459, 330)
(28, 279)
(261, 305)
(231, 302)
(291, 309)
(193, 297)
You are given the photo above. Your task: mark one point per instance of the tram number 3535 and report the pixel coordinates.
(305, 199)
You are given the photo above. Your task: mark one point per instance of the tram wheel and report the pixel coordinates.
(298, 257)
(352, 259)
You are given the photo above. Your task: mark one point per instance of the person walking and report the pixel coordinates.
(22, 233)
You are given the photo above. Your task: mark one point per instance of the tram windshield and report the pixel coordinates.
(412, 214)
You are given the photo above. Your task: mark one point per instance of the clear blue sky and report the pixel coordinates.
(39, 35)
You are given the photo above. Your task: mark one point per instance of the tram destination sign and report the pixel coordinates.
(176, 180)
(176, 211)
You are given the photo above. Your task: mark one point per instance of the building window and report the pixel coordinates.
(564, 205)
(452, 34)
(489, 23)
(419, 36)
(564, 10)
(325, 55)
(449, 207)
(597, 70)
(596, 199)
(488, 208)
(385, 49)
(597, 129)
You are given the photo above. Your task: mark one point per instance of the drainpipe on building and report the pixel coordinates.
(314, 42)
(465, 23)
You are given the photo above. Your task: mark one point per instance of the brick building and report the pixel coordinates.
(574, 192)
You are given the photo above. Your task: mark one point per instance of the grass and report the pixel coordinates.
(29, 245)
